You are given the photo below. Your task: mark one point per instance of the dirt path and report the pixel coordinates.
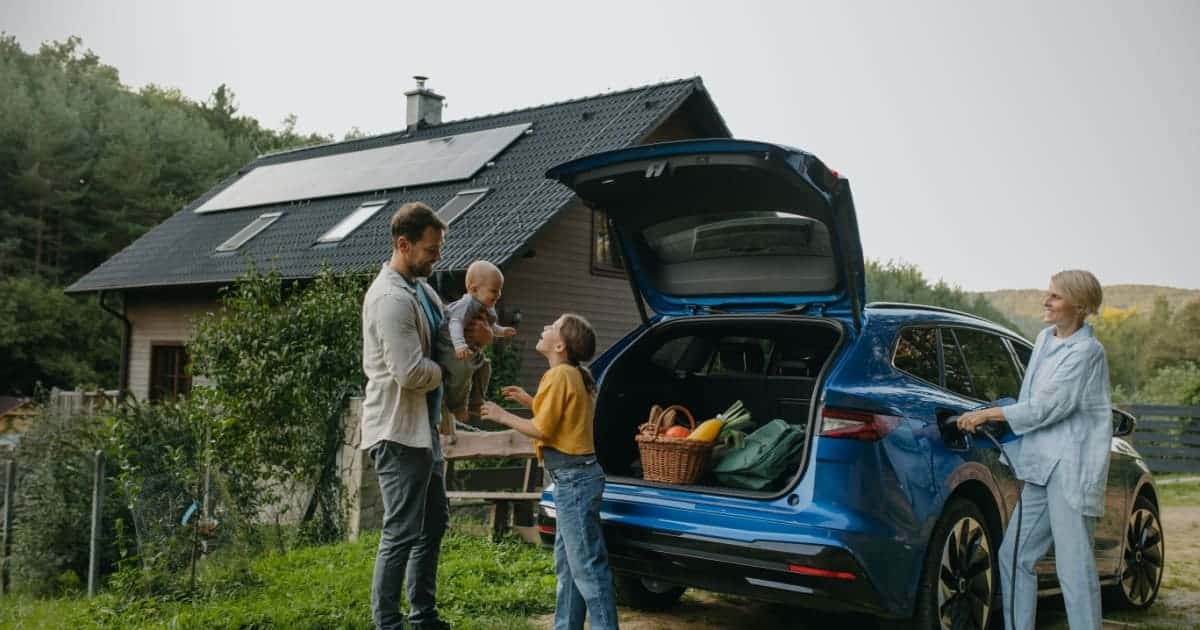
(1178, 603)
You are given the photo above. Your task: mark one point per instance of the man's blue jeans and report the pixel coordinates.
(585, 583)
(415, 515)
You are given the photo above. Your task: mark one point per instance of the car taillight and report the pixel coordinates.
(852, 424)
(825, 573)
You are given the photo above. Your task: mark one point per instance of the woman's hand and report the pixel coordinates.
(515, 394)
(974, 419)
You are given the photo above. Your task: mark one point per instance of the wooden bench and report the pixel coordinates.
(510, 509)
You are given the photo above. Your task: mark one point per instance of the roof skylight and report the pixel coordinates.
(250, 231)
(460, 203)
(352, 221)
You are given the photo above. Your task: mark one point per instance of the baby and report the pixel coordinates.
(465, 370)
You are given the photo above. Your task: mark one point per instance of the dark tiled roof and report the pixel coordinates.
(9, 403)
(179, 251)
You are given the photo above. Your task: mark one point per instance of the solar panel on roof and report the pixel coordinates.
(444, 159)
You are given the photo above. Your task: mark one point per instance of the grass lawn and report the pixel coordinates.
(481, 585)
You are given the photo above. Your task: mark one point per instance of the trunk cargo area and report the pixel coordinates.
(772, 363)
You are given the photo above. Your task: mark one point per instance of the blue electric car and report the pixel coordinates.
(746, 264)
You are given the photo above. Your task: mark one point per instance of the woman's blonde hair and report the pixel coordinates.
(1079, 288)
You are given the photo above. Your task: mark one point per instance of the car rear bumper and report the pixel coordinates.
(819, 577)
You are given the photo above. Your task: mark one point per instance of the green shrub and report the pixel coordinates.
(52, 505)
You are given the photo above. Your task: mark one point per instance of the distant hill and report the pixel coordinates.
(1024, 306)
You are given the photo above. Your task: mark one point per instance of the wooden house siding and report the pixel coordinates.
(159, 320)
(558, 278)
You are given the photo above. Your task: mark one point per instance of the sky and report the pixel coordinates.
(989, 143)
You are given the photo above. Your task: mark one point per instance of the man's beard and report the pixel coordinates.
(423, 271)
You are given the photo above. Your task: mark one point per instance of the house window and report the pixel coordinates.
(168, 372)
(460, 203)
(250, 231)
(606, 256)
(352, 221)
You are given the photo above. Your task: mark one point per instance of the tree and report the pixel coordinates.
(51, 339)
(282, 360)
(1175, 343)
(903, 282)
(86, 167)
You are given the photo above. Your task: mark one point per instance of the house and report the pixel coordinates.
(330, 204)
(16, 416)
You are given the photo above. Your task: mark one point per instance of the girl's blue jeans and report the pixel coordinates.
(585, 582)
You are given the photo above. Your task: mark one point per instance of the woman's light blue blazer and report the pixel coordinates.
(1064, 417)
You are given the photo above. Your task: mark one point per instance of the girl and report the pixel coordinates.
(562, 432)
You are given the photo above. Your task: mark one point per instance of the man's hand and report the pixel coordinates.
(515, 394)
(462, 352)
(508, 331)
(478, 331)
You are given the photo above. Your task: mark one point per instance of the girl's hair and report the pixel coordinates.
(580, 340)
(1081, 289)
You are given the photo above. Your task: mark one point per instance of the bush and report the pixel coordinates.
(1172, 385)
(53, 504)
(283, 358)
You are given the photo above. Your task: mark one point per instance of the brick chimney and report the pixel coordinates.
(424, 106)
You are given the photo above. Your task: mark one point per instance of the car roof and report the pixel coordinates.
(899, 312)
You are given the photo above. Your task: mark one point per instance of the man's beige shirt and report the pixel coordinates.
(396, 350)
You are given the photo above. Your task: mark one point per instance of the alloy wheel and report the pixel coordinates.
(1143, 564)
(965, 581)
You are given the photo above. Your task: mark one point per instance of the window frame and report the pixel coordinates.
(604, 267)
(181, 380)
(938, 327)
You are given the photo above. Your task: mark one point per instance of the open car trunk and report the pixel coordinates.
(772, 363)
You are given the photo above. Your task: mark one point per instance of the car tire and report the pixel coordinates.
(645, 593)
(1143, 557)
(960, 578)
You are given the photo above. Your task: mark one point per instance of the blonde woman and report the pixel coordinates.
(1064, 418)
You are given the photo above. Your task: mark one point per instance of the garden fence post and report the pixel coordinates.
(97, 508)
(10, 481)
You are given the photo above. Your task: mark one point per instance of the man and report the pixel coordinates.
(401, 408)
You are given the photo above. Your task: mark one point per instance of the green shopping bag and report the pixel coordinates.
(762, 458)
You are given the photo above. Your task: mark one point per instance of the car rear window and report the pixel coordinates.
(738, 235)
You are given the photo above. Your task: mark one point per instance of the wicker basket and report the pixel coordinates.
(671, 459)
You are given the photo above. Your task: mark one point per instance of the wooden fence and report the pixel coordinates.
(1168, 436)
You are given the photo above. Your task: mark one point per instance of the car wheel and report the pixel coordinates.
(645, 593)
(960, 577)
(1143, 560)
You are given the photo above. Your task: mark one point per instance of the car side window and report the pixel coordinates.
(916, 354)
(991, 366)
(958, 379)
(1023, 352)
